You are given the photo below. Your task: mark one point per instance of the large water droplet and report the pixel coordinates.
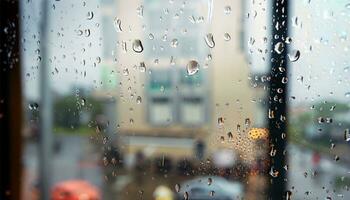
(118, 25)
(192, 67)
(209, 40)
(137, 46)
(294, 55)
(279, 47)
(90, 15)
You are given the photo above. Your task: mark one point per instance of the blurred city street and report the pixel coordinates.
(74, 157)
(321, 186)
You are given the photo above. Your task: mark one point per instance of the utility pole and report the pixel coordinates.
(45, 147)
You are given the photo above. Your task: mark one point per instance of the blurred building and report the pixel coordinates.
(160, 109)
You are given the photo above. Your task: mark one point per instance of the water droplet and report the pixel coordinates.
(186, 196)
(347, 5)
(288, 195)
(274, 173)
(295, 21)
(230, 136)
(336, 158)
(151, 36)
(126, 72)
(174, 43)
(294, 55)
(220, 121)
(210, 181)
(139, 11)
(288, 40)
(177, 187)
(137, 46)
(227, 10)
(98, 59)
(192, 67)
(79, 32)
(83, 102)
(347, 135)
(33, 106)
(211, 193)
(90, 15)
(138, 100)
(124, 47)
(209, 40)
(209, 57)
(284, 80)
(279, 47)
(271, 114)
(347, 94)
(87, 32)
(227, 37)
(118, 25)
(332, 145)
(142, 67)
(247, 122)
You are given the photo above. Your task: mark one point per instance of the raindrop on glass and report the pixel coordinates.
(192, 67)
(118, 25)
(151, 36)
(209, 40)
(137, 46)
(220, 121)
(210, 181)
(90, 15)
(294, 55)
(177, 187)
(33, 106)
(174, 43)
(279, 47)
(227, 37)
(347, 94)
(139, 11)
(211, 193)
(142, 67)
(227, 10)
(138, 100)
(186, 196)
(347, 135)
(87, 32)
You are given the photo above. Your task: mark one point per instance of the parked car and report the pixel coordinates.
(210, 187)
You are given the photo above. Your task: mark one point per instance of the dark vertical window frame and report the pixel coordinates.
(10, 101)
